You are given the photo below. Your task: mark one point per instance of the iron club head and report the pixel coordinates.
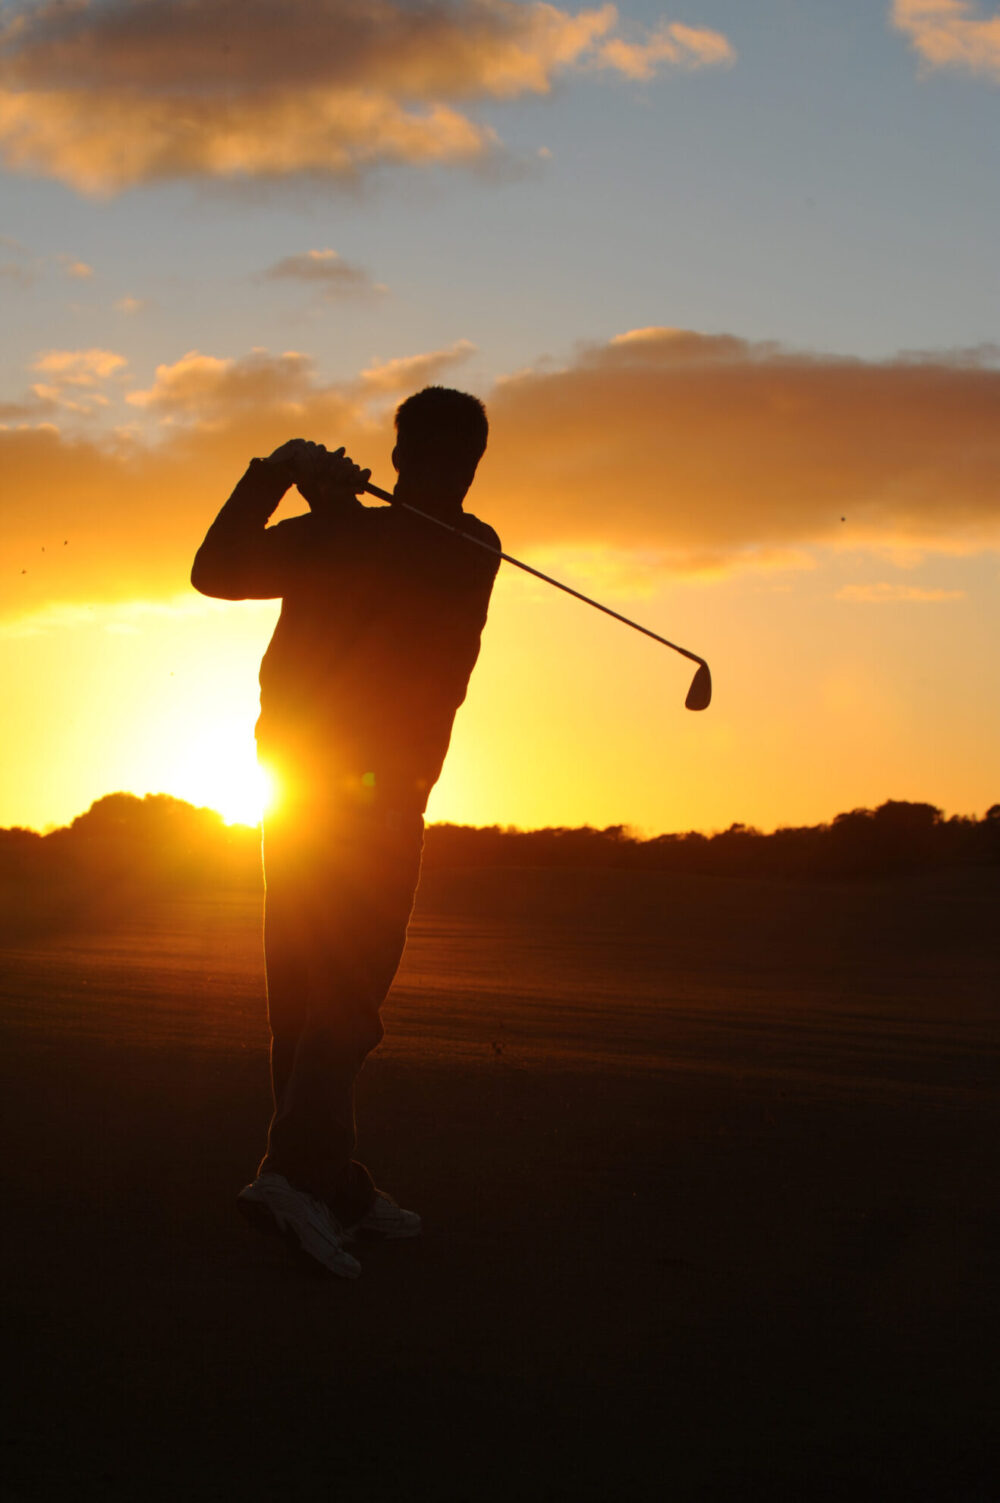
(699, 696)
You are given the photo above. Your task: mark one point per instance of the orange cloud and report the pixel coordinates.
(79, 367)
(72, 379)
(679, 46)
(883, 593)
(661, 450)
(951, 34)
(209, 390)
(710, 449)
(411, 372)
(106, 95)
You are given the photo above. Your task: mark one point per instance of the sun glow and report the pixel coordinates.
(220, 770)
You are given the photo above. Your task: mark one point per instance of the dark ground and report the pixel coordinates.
(708, 1173)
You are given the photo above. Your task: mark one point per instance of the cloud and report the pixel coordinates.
(129, 305)
(325, 271)
(412, 372)
(951, 34)
(116, 616)
(878, 594)
(17, 266)
(24, 267)
(17, 271)
(79, 367)
(664, 451)
(78, 270)
(710, 448)
(207, 390)
(71, 378)
(680, 46)
(114, 93)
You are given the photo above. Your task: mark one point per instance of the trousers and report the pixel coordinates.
(339, 890)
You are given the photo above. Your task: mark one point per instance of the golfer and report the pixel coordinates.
(379, 630)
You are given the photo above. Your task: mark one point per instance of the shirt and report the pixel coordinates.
(381, 618)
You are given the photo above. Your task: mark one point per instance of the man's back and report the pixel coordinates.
(380, 627)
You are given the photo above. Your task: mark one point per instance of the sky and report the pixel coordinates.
(726, 277)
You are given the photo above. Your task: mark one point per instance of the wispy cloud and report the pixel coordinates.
(325, 272)
(410, 372)
(16, 264)
(22, 266)
(671, 44)
(72, 378)
(951, 34)
(113, 616)
(79, 271)
(118, 92)
(79, 367)
(884, 593)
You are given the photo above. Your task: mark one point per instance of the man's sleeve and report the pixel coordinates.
(241, 558)
(484, 564)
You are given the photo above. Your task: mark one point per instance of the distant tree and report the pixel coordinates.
(124, 848)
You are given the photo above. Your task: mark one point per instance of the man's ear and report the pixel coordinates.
(395, 458)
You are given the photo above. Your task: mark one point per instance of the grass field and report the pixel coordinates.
(708, 1170)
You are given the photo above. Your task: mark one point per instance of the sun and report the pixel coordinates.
(218, 769)
(245, 798)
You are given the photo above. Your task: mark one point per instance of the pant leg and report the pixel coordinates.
(338, 901)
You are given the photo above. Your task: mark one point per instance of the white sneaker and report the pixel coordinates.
(272, 1204)
(387, 1219)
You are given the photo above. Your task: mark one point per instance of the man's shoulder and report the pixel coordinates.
(474, 527)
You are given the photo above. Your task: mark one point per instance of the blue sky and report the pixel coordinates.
(819, 191)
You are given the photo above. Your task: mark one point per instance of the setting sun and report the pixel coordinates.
(220, 771)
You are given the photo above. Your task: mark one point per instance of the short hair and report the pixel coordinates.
(439, 420)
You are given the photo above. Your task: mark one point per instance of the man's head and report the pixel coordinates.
(440, 438)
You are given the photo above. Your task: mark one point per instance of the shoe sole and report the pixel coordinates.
(262, 1218)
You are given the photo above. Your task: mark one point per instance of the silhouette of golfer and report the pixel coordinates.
(379, 631)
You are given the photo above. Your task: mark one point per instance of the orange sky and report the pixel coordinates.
(692, 483)
(726, 278)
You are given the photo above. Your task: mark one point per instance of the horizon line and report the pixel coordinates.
(631, 832)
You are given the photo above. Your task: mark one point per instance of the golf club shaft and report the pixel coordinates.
(577, 595)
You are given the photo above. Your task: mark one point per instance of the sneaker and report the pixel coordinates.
(272, 1204)
(387, 1219)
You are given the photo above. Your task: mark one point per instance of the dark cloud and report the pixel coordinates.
(107, 94)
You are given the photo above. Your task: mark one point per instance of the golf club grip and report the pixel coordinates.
(382, 495)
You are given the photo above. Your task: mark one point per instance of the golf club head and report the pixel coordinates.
(699, 696)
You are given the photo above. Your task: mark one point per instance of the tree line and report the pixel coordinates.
(126, 843)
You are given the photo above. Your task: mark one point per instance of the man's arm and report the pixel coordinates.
(241, 557)
(238, 559)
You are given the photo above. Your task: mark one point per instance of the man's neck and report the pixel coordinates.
(434, 501)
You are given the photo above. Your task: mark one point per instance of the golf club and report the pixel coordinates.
(699, 696)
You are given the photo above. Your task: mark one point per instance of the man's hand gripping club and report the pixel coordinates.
(321, 476)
